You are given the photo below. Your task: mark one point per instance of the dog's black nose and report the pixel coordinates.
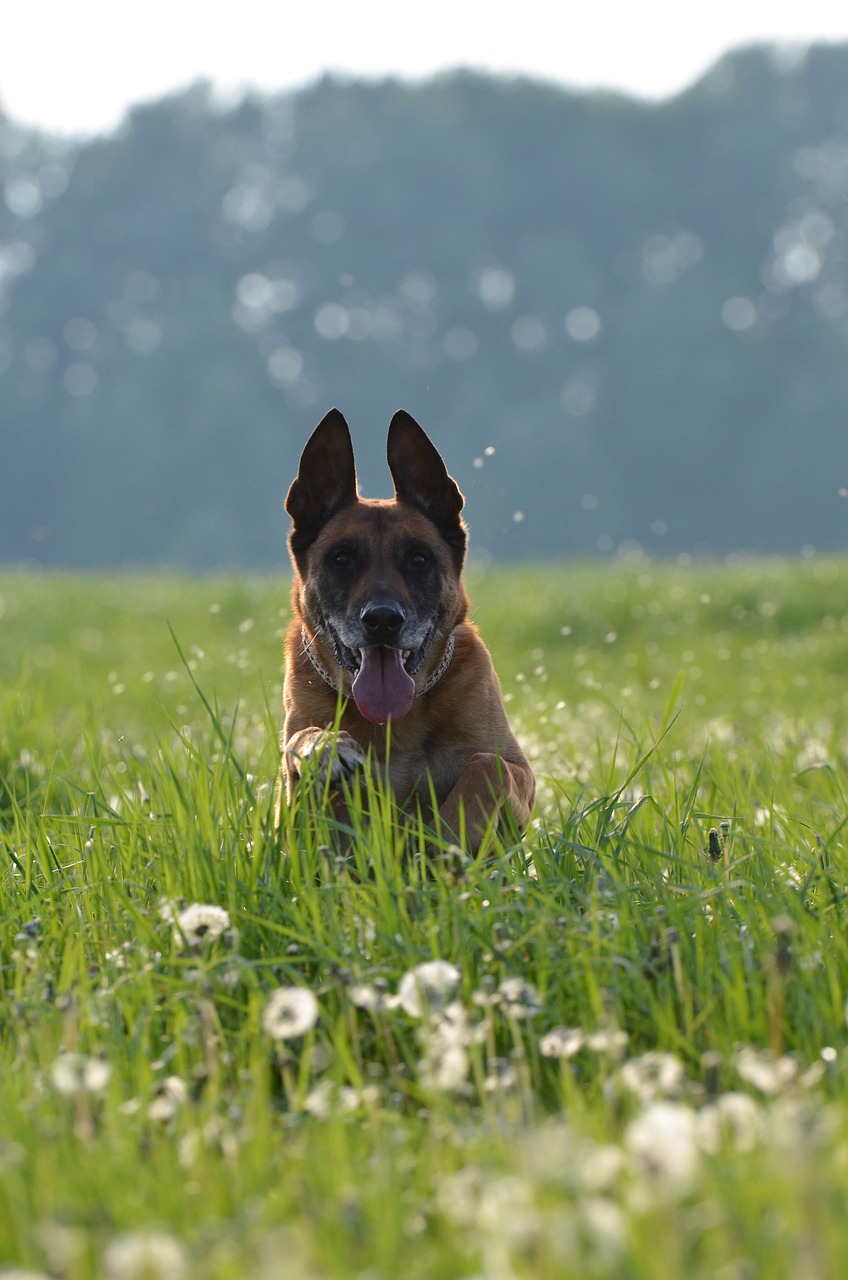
(382, 622)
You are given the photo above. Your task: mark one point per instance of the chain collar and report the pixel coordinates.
(328, 678)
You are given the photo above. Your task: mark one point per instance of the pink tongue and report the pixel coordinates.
(383, 689)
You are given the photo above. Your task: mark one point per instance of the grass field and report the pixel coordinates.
(218, 1061)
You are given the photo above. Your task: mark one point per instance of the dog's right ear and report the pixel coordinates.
(325, 481)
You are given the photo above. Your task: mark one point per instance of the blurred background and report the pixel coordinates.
(605, 266)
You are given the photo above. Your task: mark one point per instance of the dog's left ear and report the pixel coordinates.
(421, 479)
(325, 481)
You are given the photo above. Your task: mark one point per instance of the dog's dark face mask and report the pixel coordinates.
(379, 580)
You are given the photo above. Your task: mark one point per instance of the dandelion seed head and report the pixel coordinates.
(507, 1210)
(519, 999)
(608, 1040)
(502, 1076)
(653, 1075)
(734, 1120)
(73, 1074)
(444, 1068)
(201, 922)
(765, 1072)
(289, 1013)
(372, 997)
(458, 1195)
(329, 1099)
(605, 1226)
(662, 1142)
(171, 1095)
(451, 1026)
(428, 987)
(562, 1042)
(145, 1255)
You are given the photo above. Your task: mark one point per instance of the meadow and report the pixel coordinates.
(615, 1049)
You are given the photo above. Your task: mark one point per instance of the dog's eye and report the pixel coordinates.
(341, 558)
(419, 559)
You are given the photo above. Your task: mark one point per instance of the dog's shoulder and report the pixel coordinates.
(469, 708)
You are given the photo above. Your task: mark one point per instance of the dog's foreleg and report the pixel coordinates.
(334, 757)
(488, 790)
(331, 758)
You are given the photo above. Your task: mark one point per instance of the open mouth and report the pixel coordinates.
(352, 659)
(383, 685)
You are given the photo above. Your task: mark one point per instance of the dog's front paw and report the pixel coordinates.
(333, 757)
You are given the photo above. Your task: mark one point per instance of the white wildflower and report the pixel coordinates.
(608, 1040)
(601, 1165)
(734, 1120)
(445, 1064)
(662, 1142)
(605, 1228)
(508, 1212)
(200, 923)
(451, 1026)
(458, 1195)
(519, 999)
(63, 1249)
(652, 1075)
(74, 1073)
(443, 1068)
(145, 1255)
(171, 1095)
(502, 1076)
(372, 997)
(764, 1071)
(562, 1042)
(290, 1012)
(428, 987)
(328, 1099)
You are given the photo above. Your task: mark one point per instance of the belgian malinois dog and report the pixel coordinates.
(381, 623)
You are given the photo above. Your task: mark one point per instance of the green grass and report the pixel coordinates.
(657, 703)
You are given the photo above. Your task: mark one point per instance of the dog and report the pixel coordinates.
(384, 670)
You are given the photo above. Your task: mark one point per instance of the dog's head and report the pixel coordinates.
(378, 580)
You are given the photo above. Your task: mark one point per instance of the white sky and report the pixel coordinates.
(75, 66)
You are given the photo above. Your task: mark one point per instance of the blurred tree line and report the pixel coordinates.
(625, 325)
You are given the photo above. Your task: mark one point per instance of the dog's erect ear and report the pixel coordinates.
(326, 477)
(421, 478)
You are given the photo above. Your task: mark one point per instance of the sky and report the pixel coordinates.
(75, 66)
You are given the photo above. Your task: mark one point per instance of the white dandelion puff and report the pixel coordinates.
(519, 999)
(289, 1013)
(371, 997)
(171, 1095)
(201, 922)
(764, 1071)
(427, 988)
(562, 1042)
(652, 1075)
(451, 1026)
(608, 1040)
(73, 1074)
(734, 1120)
(443, 1068)
(328, 1099)
(145, 1255)
(502, 1076)
(662, 1142)
(445, 1064)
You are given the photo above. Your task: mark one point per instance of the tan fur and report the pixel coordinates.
(455, 742)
